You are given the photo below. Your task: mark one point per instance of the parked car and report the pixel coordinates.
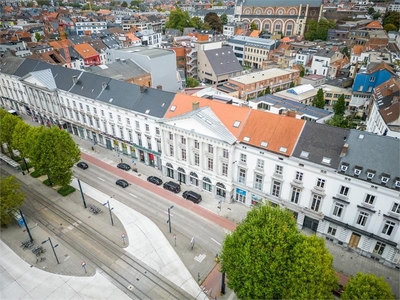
(192, 196)
(122, 183)
(172, 186)
(82, 165)
(155, 180)
(124, 166)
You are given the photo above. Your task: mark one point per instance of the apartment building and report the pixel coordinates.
(89, 28)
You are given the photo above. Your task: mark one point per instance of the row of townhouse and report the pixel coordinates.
(342, 184)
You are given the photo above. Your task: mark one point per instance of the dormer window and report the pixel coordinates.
(357, 170)
(385, 178)
(344, 167)
(397, 182)
(370, 174)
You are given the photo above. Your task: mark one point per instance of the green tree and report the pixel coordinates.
(292, 84)
(302, 71)
(318, 30)
(54, 153)
(263, 258)
(43, 2)
(38, 37)
(267, 90)
(346, 52)
(30, 4)
(11, 198)
(253, 26)
(19, 137)
(191, 82)
(179, 19)
(124, 4)
(367, 286)
(391, 17)
(219, 3)
(376, 15)
(136, 3)
(390, 27)
(371, 11)
(7, 125)
(224, 19)
(197, 22)
(214, 21)
(339, 107)
(319, 100)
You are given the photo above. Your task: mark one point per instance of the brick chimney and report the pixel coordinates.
(195, 105)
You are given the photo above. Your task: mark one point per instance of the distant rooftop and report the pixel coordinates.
(150, 52)
(261, 75)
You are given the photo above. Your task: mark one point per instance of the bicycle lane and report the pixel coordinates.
(132, 178)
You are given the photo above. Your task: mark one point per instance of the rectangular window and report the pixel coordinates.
(379, 248)
(260, 163)
(321, 183)
(119, 118)
(171, 150)
(224, 169)
(97, 123)
(139, 137)
(157, 131)
(102, 113)
(128, 121)
(243, 157)
(396, 208)
(147, 127)
(225, 153)
(149, 143)
(87, 108)
(337, 211)
(362, 218)
(388, 228)
(196, 159)
(210, 149)
(210, 164)
(299, 176)
(171, 136)
(276, 188)
(184, 154)
(137, 125)
(111, 116)
(183, 140)
(369, 199)
(316, 202)
(258, 182)
(121, 132)
(344, 190)
(278, 170)
(196, 144)
(130, 135)
(113, 130)
(332, 230)
(242, 176)
(80, 105)
(295, 195)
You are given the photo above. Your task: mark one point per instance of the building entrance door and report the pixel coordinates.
(354, 240)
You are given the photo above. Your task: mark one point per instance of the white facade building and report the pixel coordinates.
(88, 28)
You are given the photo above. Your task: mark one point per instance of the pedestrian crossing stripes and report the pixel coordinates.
(200, 257)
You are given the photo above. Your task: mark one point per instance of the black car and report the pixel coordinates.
(172, 186)
(124, 166)
(192, 196)
(122, 183)
(82, 165)
(155, 180)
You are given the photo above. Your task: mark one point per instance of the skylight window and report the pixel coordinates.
(264, 144)
(173, 107)
(236, 124)
(361, 136)
(147, 111)
(246, 139)
(304, 154)
(326, 160)
(283, 149)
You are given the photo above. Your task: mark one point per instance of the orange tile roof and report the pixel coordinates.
(276, 130)
(374, 24)
(255, 33)
(239, 31)
(132, 37)
(85, 50)
(227, 113)
(358, 49)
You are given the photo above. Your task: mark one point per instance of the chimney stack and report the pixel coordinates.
(142, 89)
(344, 150)
(195, 105)
(75, 79)
(159, 87)
(104, 85)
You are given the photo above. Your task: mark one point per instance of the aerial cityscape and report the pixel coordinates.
(241, 149)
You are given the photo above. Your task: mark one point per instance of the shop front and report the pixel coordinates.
(241, 195)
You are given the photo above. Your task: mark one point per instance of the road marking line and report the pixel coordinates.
(133, 195)
(200, 257)
(101, 179)
(216, 241)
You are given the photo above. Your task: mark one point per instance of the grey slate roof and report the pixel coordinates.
(223, 60)
(9, 64)
(89, 85)
(208, 119)
(45, 77)
(321, 141)
(119, 70)
(372, 152)
(76, 40)
(265, 3)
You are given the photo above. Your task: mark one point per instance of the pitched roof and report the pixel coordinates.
(223, 61)
(319, 141)
(279, 133)
(45, 77)
(85, 50)
(381, 66)
(229, 115)
(374, 25)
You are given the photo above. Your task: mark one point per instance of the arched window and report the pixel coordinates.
(194, 179)
(181, 175)
(207, 184)
(221, 190)
(170, 170)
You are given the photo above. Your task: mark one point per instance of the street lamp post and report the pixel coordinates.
(26, 225)
(52, 247)
(80, 188)
(169, 217)
(109, 209)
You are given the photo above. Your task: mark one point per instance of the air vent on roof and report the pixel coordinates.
(246, 139)
(236, 124)
(111, 100)
(304, 154)
(283, 149)
(326, 160)
(361, 136)
(264, 144)
(147, 111)
(173, 107)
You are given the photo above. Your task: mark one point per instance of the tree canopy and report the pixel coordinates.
(53, 153)
(179, 19)
(339, 107)
(253, 26)
(390, 27)
(7, 126)
(319, 100)
(11, 198)
(213, 21)
(19, 137)
(267, 257)
(391, 17)
(318, 30)
(224, 19)
(191, 82)
(367, 286)
(197, 22)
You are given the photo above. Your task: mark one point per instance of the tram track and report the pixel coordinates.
(139, 281)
